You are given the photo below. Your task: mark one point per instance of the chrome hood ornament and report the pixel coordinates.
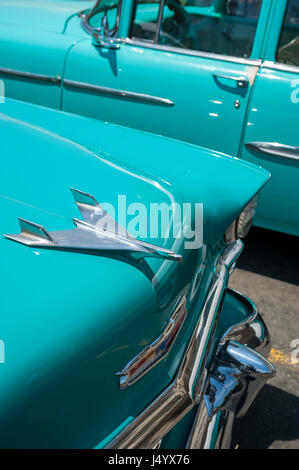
(97, 232)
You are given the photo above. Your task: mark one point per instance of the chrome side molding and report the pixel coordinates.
(156, 351)
(132, 95)
(97, 232)
(274, 148)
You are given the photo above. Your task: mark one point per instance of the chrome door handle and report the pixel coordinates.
(274, 148)
(242, 82)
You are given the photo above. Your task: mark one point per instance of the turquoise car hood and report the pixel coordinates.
(144, 167)
(49, 15)
(70, 321)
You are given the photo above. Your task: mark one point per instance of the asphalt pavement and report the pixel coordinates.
(268, 273)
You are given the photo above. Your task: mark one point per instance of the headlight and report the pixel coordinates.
(245, 220)
(241, 226)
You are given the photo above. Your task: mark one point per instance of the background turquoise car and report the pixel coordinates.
(70, 320)
(221, 74)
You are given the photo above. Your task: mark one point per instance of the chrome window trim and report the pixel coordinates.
(147, 429)
(281, 67)
(176, 50)
(30, 76)
(189, 52)
(116, 92)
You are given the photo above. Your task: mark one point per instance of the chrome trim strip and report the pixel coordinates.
(152, 354)
(119, 93)
(30, 76)
(231, 233)
(274, 148)
(252, 332)
(282, 67)
(178, 50)
(185, 392)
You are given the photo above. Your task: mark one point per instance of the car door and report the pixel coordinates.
(271, 138)
(184, 69)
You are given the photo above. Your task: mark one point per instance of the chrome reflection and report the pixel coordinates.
(189, 386)
(276, 149)
(238, 376)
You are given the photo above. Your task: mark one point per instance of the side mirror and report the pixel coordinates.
(100, 35)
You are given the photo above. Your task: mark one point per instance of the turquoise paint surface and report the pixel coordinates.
(111, 436)
(70, 321)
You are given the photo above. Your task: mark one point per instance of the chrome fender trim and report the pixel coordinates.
(147, 429)
(30, 76)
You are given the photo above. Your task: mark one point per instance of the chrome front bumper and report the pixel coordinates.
(238, 375)
(221, 392)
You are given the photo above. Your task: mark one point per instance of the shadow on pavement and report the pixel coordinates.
(274, 416)
(271, 254)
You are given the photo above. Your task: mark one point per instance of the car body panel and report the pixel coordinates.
(71, 320)
(178, 78)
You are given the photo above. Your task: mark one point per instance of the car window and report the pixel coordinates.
(224, 27)
(145, 21)
(288, 49)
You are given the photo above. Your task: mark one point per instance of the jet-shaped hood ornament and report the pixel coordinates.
(97, 232)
